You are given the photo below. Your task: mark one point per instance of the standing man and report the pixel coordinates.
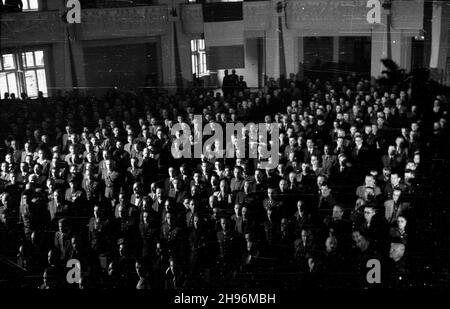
(234, 80)
(226, 83)
(112, 181)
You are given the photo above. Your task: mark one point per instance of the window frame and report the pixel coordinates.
(21, 68)
(198, 58)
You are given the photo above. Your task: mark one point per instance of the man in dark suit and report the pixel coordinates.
(310, 151)
(77, 197)
(271, 226)
(134, 173)
(58, 208)
(271, 201)
(359, 155)
(369, 181)
(91, 186)
(121, 157)
(168, 182)
(198, 240)
(62, 239)
(326, 200)
(131, 209)
(243, 223)
(14, 189)
(293, 147)
(226, 83)
(375, 227)
(391, 160)
(228, 243)
(302, 246)
(176, 192)
(234, 79)
(126, 225)
(170, 235)
(328, 160)
(338, 226)
(137, 198)
(342, 175)
(301, 219)
(99, 232)
(246, 195)
(112, 181)
(242, 84)
(158, 203)
(149, 230)
(393, 184)
(189, 217)
(341, 147)
(395, 207)
(237, 183)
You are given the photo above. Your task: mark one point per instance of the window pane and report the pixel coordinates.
(200, 58)
(12, 82)
(3, 84)
(203, 59)
(34, 4)
(42, 82)
(193, 45)
(194, 64)
(24, 60)
(30, 59)
(8, 62)
(201, 44)
(31, 85)
(39, 56)
(25, 5)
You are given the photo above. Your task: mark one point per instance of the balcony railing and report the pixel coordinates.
(136, 21)
(97, 4)
(43, 27)
(123, 22)
(31, 28)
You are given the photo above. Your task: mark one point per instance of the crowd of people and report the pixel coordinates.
(94, 179)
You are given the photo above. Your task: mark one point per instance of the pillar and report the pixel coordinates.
(336, 49)
(301, 56)
(379, 51)
(439, 41)
(401, 49)
(378, 46)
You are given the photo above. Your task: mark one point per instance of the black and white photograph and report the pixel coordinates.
(224, 151)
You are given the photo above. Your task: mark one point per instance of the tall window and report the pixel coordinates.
(198, 56)
(23, 72)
